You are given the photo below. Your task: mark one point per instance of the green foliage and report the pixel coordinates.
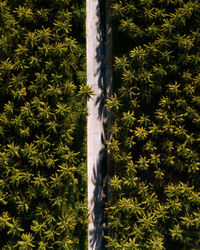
(42, 125)
(154, 147)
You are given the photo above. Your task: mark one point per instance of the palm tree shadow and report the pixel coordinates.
(97, 216)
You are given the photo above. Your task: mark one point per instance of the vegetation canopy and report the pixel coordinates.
(154, 147)
(42, 125)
